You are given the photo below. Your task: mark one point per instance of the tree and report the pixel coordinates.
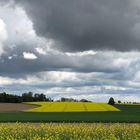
(63, 99)
(111, 101)
(84, 100)
(119, 102)
(42, 97)
(27, 97)
(9, 98)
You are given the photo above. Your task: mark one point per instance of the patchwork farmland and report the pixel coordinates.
(69, 112)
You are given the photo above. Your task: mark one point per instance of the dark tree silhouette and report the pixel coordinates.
(26, 97)
(119, 102)
(111, 101)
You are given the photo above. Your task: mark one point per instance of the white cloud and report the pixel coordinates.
(10, 57)
(28, 55)
(84, 53)
(40, 51)
(3, 31)
(6, 81)
(19, 28)
(3, 35)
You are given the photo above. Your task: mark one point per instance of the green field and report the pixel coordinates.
(71, 107)
(128, 113)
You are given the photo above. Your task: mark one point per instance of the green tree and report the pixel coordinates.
(111, 101)
(119, 102)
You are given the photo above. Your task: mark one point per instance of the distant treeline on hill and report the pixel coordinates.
(30, 97)
(25, 97)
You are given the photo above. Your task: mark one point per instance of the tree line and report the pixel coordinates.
(25, 97)
(30, 97)
(112, 102)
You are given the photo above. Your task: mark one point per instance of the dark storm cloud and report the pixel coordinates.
(77, 25)
(71, 25)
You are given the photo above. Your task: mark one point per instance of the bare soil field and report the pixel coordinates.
(10, 107)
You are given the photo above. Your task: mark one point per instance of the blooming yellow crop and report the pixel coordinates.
(71, 107)
(71, 131)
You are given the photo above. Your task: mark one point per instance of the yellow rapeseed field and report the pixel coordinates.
(73, 131)
(71, 107)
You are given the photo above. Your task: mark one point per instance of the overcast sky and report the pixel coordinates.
(71, 48)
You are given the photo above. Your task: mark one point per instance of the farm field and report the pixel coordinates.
(70, 107)
(127, 113)
(14, 107)
(69, 131)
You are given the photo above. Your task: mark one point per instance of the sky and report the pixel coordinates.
(71, 48)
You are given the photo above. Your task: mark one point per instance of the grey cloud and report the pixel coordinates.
(77, 12)
(77, 89)
(58, 62)
(86, 24)
(73, 26)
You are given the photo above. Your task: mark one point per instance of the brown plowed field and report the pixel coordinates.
(6, 107)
